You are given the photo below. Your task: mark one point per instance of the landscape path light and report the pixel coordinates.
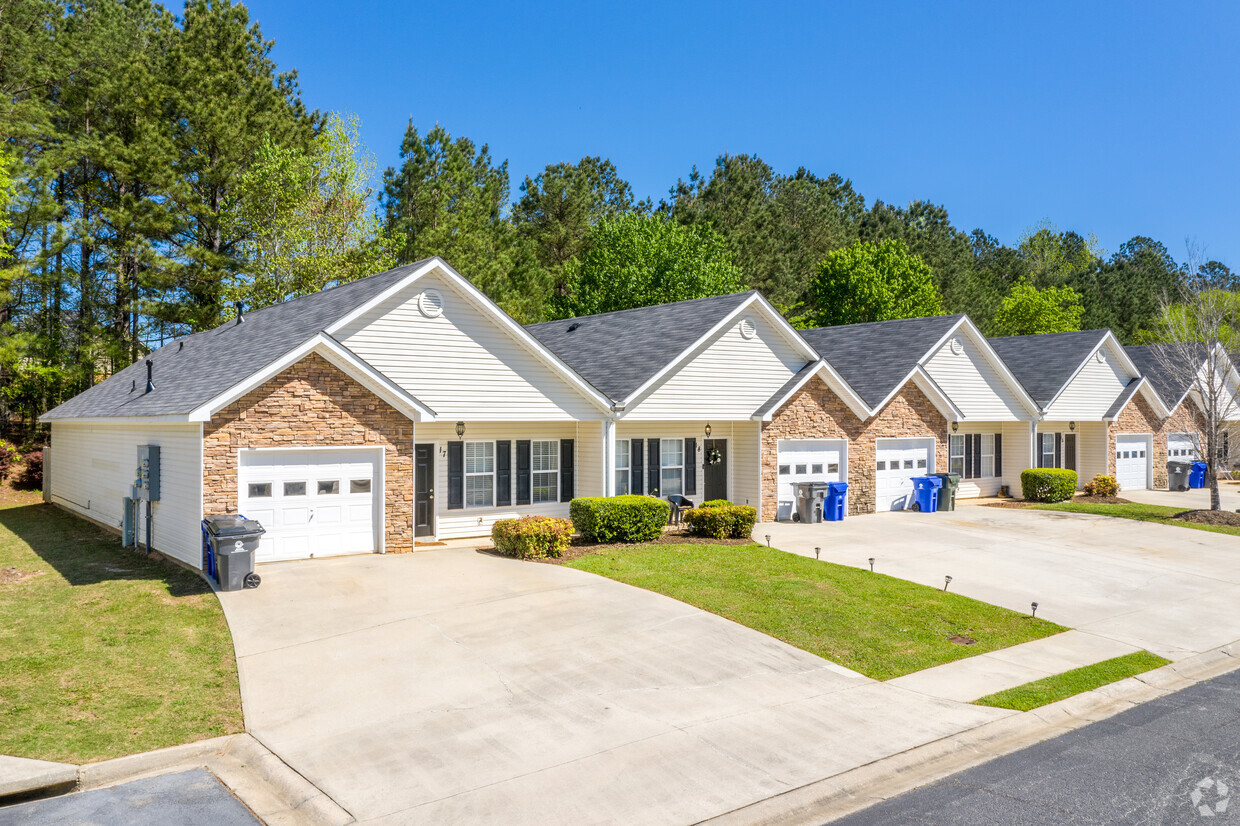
(1033, 606)
(817, 552)
(871, 564)
(947, 580)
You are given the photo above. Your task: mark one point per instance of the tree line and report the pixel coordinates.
(158, 168)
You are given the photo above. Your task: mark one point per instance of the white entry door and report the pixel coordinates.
(1132, 462)
(312, 503)
(897, 461)
(806, 460)
(1181, 447)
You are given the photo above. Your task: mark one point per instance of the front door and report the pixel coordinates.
(423, 490)
(715, 481)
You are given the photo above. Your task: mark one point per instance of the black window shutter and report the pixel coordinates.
(691, 466)
(654, 467)
(968, 456)
(566, 470)
(977, 455)
(456, 475)
(1058, 450)
(998, 454)
(503, 473)
(637, 479)
(523, 472)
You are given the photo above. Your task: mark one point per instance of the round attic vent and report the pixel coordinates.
(957, 346)
(431, 303)
(748, 328)
(1100, 357)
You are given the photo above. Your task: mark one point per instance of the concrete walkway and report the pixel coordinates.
(457, 687)
(20, 776)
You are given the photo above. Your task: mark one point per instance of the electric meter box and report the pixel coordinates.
(146, 485)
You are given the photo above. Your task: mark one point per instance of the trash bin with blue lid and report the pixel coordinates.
(925, 493)
(833, 507)
(1197, 476)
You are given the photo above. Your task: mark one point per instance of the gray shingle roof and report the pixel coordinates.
(1045, 363)
(195, 369)
(618, 352)
(1170, 386)
(1124, 397)
(876, 357)
(779, 394)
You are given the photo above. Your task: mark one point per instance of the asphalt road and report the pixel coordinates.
(192, 798)
(1174, 760)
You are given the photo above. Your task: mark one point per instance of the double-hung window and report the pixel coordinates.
(988, 455)
(545, 467)
(972, 455)
(623, 457)
(672, 463)
(1048, 450)
(479, 474)
(955, 455)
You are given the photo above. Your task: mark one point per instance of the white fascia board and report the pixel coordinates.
(834, 381)
(1145, 388)
(1101, 343)
(935, 394)
(174, 418)
(336, 354)
(490, 308)
(790, 333)
(993, 358)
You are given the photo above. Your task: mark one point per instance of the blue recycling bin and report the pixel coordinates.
(926, 493)
(208, 554)
(833, 507)
(1197, 476)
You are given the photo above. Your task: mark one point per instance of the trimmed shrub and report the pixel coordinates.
(30, 477)
(619, 518)
(721, 521)
(715, 503)
(9, 457)
(1048, 484)
(532, 537)
(1101, 486)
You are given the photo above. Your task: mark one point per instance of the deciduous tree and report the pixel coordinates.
(1028, 310)
(874, 282)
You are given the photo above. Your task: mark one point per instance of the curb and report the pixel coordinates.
(856, 789)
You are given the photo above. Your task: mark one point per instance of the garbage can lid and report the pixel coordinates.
(232, 524)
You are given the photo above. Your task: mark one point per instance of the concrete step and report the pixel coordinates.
(21, 778)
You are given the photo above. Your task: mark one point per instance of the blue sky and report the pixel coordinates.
(1116, 119)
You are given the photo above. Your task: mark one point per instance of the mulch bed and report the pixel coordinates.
(580, 547)
(1084, 500)
(1206, 517)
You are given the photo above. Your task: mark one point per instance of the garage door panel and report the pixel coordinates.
(806, 460)
(1132, 462)
(896, 462)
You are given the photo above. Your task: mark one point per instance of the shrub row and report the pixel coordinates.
(1102, 486)
(532, 537)
(619, 518)
(726, 521)
(1048, 484)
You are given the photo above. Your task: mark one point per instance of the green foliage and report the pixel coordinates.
(721, 521)
(1160, 514)
(874, 282)
(1101, 485)
(1052, 257)
(638, 260)
(715, 503)
(9, 458)
(1048, 484)
(532, 537)
(619, 518)
(1028, 310)
(1126, 293)
(1070, 683)
(30, 477)
(1177, 319)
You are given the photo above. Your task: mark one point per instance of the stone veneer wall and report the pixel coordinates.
(815, 412)
(1138, 417)
(312, 404)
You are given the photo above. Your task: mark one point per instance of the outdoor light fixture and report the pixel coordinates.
(1072, 425)
(871, 564)
(955, 426)
(817, 552)
(460, 430)
(1034, 609)
(947, 580)
(768, 540)
(708, 430)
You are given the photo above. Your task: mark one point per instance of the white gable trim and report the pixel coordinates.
(833, 380)
(935, 394)
(1117, 350)
(1145, 388)
(992, 357)
(934, 348)
(491, 309)
(336, 354)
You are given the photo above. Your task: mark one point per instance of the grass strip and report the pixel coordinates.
(1051, 689)
(1162, 514)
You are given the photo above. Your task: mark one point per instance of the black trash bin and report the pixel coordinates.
(234, 541)
(947, 492)
(1178, 474)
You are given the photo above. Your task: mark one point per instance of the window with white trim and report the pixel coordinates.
(672, 465)
(623, 457)
(479, 474)
(955, 455)
(545, 470)
(1048, 450)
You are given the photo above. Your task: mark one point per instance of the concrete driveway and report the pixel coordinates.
(451, 686)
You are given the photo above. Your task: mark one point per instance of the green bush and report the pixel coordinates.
(715, 503)
(619, 518)
(532, 537)
(721, 521)
(1102, 486)
(1048, 484)
(9, 459)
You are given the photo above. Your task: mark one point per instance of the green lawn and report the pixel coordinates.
(878, 625)
(1050, 689)
(105, 653)
(1161, 514)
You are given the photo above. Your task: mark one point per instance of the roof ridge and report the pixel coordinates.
(647, 307)
(888, 321)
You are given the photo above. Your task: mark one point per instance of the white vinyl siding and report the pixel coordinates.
(1090, 394)
(462, 364)
(1092, 447)
(588, 468)
(745, 463)
(545, 471)
(755, 368)
(973, 383)
(93, 466)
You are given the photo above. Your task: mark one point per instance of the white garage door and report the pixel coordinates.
(1182, 447)
(898, 461)
(1132, 462)
(312, 502)
(806, 460)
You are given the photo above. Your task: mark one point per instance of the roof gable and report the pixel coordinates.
(1046, 363)
(1171, 388)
